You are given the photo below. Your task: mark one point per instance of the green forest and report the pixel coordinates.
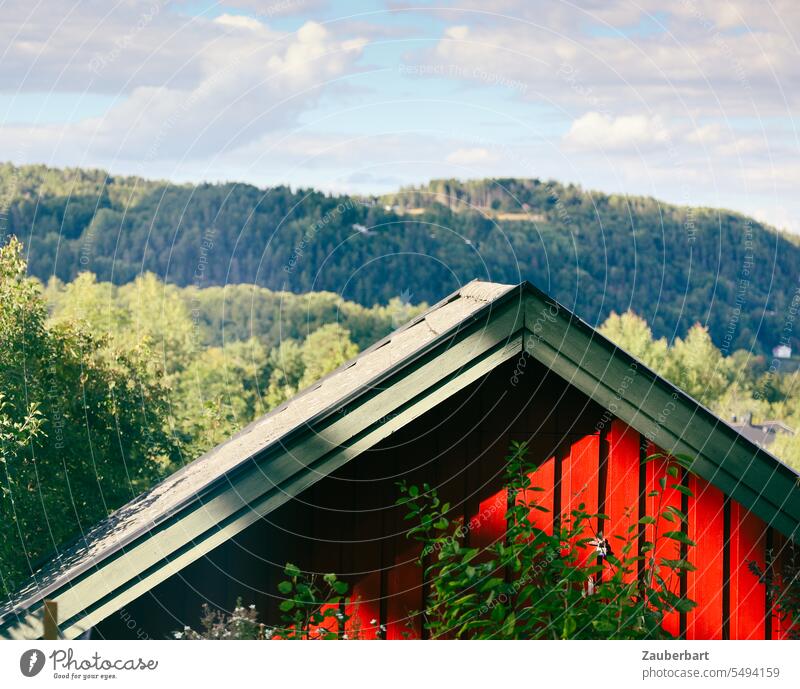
(142, 323)
(596, 253)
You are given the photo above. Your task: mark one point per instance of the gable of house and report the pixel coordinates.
(478, 330)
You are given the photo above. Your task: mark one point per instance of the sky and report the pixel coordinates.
(690, 101)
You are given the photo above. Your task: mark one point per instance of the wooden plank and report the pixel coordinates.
(487, 520)
(403, 580)
(576, 413)
(543, 451)
(775, 543)
(622, 491)
(656, 472)
(320, 524)
(580, 471)
(780, 624)
(452, 472)
(364, 608)
(278, 527)
(364, 553)
(51, 620)
(487, 526)
(533, 392)
(404, 592)
(413, 447)
(747, 594)
(488, 497)
(451, 469)
(327, 526)
(704, 585)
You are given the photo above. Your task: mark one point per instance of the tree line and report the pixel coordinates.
(596, 253)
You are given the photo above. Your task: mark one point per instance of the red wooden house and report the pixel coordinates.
(438, 401)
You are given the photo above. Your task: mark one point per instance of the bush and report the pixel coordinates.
(216, 624)
(537, 585)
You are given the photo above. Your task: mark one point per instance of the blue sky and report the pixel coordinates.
(692, 102)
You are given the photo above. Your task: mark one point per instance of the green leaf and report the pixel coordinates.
(678, 513)
(685, 605)
(569, 628)
(684, 460)
(679, 536)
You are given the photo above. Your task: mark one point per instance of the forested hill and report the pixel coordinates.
(594, 252)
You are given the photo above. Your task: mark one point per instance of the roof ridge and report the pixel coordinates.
(483, 290)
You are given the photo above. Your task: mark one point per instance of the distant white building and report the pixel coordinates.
(782, 351)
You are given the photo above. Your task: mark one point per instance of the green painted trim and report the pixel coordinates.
(453, 359)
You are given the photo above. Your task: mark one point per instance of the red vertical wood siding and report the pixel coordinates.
(776, 627)
(364, 607)
(705, 584)
(404, 593)
(580, 471)
(544, 478)
(747, 594)
(402, 589)
(622, 491)
(656, 505)
(487, 518)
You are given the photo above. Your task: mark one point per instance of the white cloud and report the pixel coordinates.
(779, 216)
(471, 156)
(693, 61)
(251, 81)
(743, 147)
(597, 131)
(269, 9)
(239, 21)
(92, 46)
(706, 134)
